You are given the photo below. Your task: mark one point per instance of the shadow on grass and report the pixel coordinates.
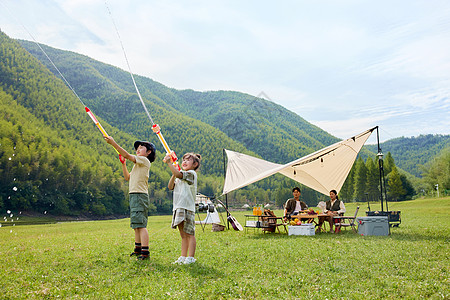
(395, 235)
(196, 270)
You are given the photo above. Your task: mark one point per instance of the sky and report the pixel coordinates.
(344, 66)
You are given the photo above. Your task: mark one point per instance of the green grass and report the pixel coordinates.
(6, 220)
(89, 260)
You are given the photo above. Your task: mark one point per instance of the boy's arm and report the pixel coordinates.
(123, 152)
(126, 174)
(171, 184)
(168, 160)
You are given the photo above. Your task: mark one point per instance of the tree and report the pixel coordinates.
(388, 163)
(347, 189)
(438, 171)
(395, 185)
(373, 180)
(360, 180)
(409, 189)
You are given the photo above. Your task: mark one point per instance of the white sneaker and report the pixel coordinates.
(189, 260)
(180, 260)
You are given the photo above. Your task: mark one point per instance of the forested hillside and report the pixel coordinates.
(53, 158)
(109, 92)
(411, 154)
(39, 108)
(253, 122)
(50, 158)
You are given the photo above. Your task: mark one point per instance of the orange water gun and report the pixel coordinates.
(156, 129)
(102, 130)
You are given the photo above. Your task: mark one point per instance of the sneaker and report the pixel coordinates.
(189, 260)
(143, 257)
(135, 254)
(180, 260)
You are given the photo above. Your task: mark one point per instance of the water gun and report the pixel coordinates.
(173, 156)
(102, 130)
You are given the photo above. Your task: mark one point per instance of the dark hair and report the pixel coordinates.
(196, 158)
(296, 189)
(334, 192)
(151, 157)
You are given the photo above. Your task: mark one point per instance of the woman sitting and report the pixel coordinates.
(334, 207)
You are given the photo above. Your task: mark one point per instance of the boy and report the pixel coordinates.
(138, 190)
(184, 186)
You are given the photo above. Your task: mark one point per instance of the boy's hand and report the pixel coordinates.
(156, 128)
(168, 158)
(109, 139)
(122, 159)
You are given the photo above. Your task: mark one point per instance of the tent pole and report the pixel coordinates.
(226, 195)
(380, 167)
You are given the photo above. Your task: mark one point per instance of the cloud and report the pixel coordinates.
(436, 97)
(344, 66)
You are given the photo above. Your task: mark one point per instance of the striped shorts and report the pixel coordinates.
(186, 217)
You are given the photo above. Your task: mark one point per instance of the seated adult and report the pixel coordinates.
(334, 207)
(294, 205)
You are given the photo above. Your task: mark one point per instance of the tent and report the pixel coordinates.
(323, 170)
(211, 218)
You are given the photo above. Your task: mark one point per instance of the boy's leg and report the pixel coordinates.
(138, 221)
(189, 231)
(188, 244)
(184, 240)
(192, 244)
(137, 243)
(143, 235)
(137, 236)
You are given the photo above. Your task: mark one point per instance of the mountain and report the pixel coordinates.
(258, 125)
(45, 131)
(52, 158)
(410, 154)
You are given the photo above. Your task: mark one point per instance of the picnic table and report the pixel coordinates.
(264, 222)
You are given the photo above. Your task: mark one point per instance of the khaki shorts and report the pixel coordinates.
(186, 217)
(138, 210)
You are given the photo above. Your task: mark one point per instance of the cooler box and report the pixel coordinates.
(304, 229)
(394, 217)
(373, 225)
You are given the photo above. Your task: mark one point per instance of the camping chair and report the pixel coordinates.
(342, 222)
(271, 222)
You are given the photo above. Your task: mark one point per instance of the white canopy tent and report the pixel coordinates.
(323, 170)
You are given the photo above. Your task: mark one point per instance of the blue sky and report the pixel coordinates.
(344, 66)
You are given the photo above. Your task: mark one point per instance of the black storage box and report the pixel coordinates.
(393, 216)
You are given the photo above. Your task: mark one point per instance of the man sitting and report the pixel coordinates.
(294, 205)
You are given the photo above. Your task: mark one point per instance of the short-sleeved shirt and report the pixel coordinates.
(185, 191)
(139, 175)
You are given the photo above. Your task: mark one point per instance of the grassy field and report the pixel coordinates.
(89, 260)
